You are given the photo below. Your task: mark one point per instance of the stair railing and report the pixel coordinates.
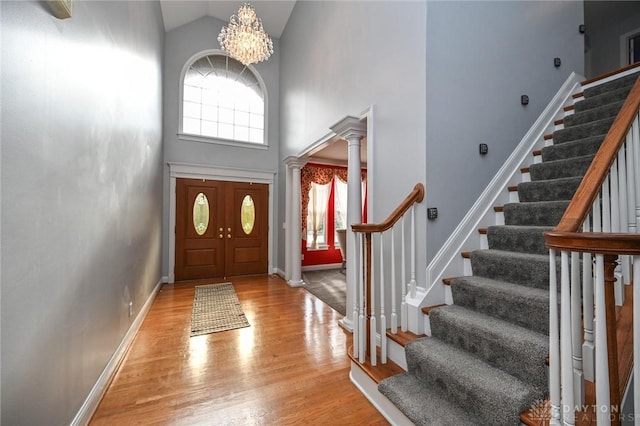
(598, 230)
(374, 290)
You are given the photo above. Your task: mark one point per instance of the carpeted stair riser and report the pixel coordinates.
(511, 348)
(524, 306)
(492, 395)
(548, 190)
(578, 148)
(600, 127)
(542, 213)
(611, 86)
(423, 404)
(556, 169)
(530, 270)
(603, 99)
(523, 239)
(594, 114)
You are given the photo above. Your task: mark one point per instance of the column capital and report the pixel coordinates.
(295, 162)
(350, 128)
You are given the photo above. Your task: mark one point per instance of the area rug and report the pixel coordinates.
(330, 286)
(216, 308)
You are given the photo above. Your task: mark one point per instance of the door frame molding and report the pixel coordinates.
(202, 171)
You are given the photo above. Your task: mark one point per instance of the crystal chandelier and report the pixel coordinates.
(244, 38)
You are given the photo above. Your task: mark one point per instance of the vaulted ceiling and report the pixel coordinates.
(274, 13)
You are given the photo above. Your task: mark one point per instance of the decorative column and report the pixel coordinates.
(287, 223)
(352, 129)
(294, 225)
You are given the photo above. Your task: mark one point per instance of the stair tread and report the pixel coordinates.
(403, 337)
(504, 287)
(491, 326)
(423, 404)
(522, 305)
(487, 391)
(517, 350)
(511, 254)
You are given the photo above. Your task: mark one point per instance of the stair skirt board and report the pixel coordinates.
(469, 371)
(369, 389)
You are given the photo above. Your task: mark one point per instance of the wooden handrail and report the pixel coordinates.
(583, 199)
(594, 242)
(416, 196)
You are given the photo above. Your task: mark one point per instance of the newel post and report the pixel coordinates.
(352, 129)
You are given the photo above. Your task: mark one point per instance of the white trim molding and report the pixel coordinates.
(203, 171)
(448, 262)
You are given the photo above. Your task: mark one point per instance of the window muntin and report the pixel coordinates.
(223, 99)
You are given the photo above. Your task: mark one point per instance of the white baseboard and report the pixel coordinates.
(97, 392)
(164, 279)
(279, 272)
(322, 267)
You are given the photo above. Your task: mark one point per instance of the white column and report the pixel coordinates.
(352, 129)
(287, 223)
(294, 237)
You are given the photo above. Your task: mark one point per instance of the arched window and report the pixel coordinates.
(222, 99)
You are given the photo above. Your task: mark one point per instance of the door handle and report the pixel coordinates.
(221, 236)
(228, 235)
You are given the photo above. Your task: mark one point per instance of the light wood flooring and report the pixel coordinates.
(289, 367)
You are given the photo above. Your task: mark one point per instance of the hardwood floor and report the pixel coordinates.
(289, 367)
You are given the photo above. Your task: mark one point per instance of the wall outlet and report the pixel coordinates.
(484, 149)
(432, 213)
(524, 100)
(130, 308)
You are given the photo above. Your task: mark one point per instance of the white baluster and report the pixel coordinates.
(576, 327)
(554, 342)
(412, 283)
(635, 140)
(606, 206)
(363, 298)
(394, 290)
(631, 183)
(356, 302)
(372, 319)
(614, 192)
(625, 261)
(597, 215)
(566, 356)
(588, 348)
(602, 353)
(403, 308)
(636, 334)
(383, 318)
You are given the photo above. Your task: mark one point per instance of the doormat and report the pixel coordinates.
(216, 308)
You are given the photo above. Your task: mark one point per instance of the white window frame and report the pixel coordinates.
(221, 141)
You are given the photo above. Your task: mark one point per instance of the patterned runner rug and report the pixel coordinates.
(216, 308)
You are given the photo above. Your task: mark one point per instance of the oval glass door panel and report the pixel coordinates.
(201, 214)
(247, 214)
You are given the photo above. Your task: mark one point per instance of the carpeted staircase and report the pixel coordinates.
(485, 361)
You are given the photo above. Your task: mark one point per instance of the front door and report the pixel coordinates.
(221, 229)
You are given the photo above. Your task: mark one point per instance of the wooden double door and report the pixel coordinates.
(221, 229)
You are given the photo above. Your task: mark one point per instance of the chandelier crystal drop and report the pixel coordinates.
(244, 38)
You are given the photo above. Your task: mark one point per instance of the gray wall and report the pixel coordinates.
(337, 59)
(481, 57)
(606, 22)
(180, 45)
(81, 195)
